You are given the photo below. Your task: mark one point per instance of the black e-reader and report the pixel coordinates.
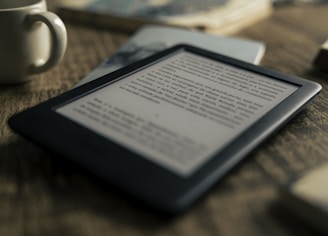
(166, 128)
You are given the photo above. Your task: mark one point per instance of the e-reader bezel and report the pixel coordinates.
(140, 177)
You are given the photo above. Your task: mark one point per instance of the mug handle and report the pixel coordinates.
(59, 39)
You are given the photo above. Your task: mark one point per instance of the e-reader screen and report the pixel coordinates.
(180, 110)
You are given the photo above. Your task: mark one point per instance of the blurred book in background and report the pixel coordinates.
(216, 16)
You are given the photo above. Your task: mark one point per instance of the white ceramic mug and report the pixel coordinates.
(32, 39)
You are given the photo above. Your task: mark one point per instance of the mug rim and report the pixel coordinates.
(22, 6)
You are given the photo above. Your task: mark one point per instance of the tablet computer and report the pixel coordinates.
(166, 128)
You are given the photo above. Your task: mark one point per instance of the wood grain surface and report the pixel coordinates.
(43, 195)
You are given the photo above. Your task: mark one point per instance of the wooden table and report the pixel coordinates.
(40, 195)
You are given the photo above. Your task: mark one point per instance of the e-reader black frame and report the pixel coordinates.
(138, 176)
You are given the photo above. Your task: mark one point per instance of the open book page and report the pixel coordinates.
(220, 16)
(152, 39)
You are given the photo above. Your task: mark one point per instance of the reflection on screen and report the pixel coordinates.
(180, 111)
